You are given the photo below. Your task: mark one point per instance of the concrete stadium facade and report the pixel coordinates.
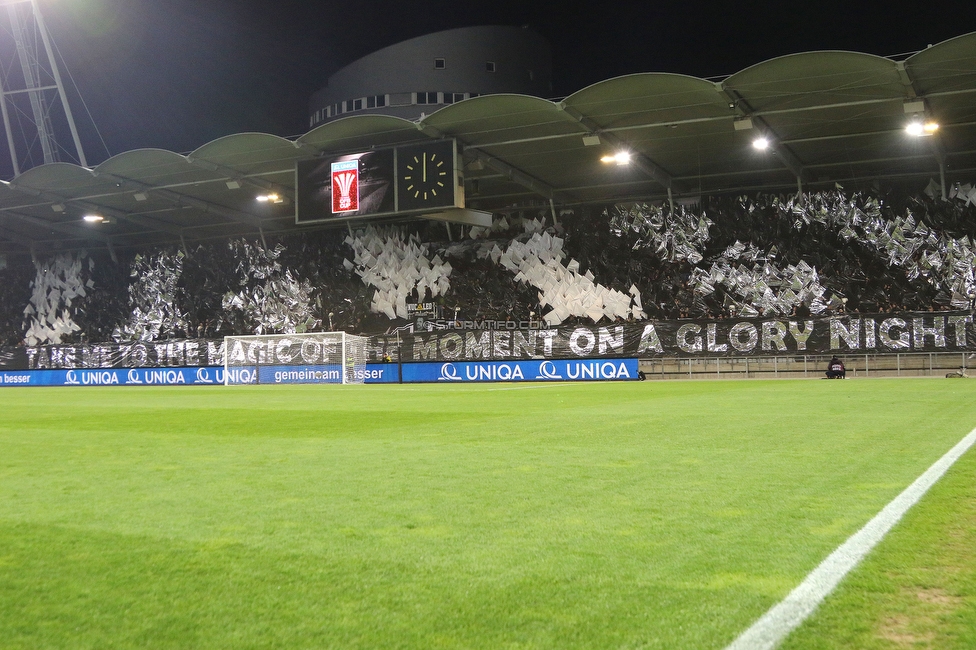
(420, 75)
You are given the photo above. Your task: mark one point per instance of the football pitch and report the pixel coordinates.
(597, 515)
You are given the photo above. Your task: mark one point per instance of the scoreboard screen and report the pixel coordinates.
(383, 182)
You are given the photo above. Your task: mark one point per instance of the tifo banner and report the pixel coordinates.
(872, 333)
(850, 334)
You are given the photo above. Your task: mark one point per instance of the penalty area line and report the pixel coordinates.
(774, 626)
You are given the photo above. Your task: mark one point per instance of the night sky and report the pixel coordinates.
(176, 74)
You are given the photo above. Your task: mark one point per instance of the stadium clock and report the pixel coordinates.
(425, 176)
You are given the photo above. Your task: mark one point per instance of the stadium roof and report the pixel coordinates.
(829, 117)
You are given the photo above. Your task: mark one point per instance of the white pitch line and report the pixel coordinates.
(767, 632)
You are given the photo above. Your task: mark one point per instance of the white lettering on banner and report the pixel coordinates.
(959, 324)
(236, 353)
(683, 332)
(609, 341)
(597, 370)
(133, 377)
(712, 335)
(16, 379)
(773, 333)
(164, 377)
(452, 347)
(801, 336)
(851, 335)
(96, 378)
(937, 332)
(900, 341)
(238, 376)
(283, 351)
(574, 342)
(369, 374)
(649, 340)
(306, 375)
(752, 337)
(493, 372)
(547, 337)
(203, 377)
(870, 334)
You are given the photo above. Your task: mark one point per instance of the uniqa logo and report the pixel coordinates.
(597, 370)
(99, 378)
(501, 372)
(238, 376)
(165, 377)
(71, 378)
(133, 377)
(449, 373)
(547, 370)
(203, 377)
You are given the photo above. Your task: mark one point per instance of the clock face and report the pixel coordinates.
(425, 176)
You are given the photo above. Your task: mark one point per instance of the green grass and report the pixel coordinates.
(918, 590)
(637, 515)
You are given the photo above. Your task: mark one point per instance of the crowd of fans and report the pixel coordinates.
(677, 260)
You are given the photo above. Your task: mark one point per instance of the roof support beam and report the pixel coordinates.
(638, 159)
(235, 175)
(786, 155)
(178, 198)
(68, 229)
(210, 208)
(88, 206)
(511, 172)
(906, 80)
(516, 175)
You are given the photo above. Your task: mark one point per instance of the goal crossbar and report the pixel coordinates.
(308, 358)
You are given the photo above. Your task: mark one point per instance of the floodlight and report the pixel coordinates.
(917, 128)
(620, 158)
(269, 198)
(761, 143)
(94, 218)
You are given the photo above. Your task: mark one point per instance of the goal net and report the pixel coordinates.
(313, 358)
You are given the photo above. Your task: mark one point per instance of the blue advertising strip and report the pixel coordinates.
(536, 370)
(381, 373)
(318, 374)
(114, 377)
(375, 373)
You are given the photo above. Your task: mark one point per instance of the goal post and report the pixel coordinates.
(310, 358)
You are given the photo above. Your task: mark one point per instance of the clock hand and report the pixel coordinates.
(425, 166)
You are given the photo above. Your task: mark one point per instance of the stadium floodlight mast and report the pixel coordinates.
(40, 80)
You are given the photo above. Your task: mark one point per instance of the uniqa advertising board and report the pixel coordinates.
(535, 370)
(374, 373)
